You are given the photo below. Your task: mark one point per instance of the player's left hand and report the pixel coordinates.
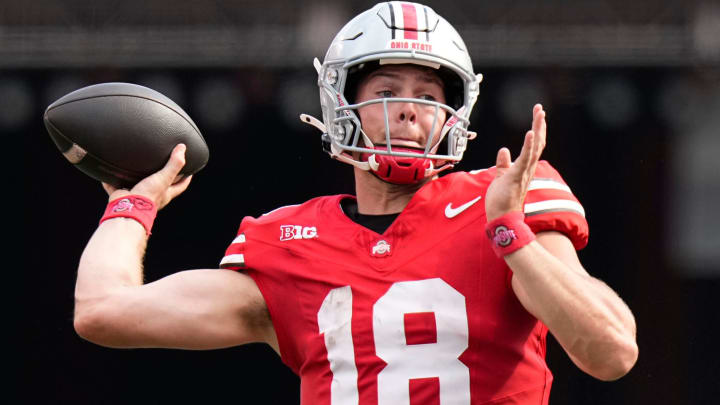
(507, 191)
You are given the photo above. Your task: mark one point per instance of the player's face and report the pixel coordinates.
(410, 123)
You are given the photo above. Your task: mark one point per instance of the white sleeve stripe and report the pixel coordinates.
(239, 239)
(233, 260)
(279, 208)
(542, 207)
(543, 184)
(477, 171)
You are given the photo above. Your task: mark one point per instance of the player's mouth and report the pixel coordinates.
(406, 143)
(406, 146)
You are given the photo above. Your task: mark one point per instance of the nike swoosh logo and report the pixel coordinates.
(451, 212)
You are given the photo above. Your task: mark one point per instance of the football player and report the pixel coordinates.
(419, 288)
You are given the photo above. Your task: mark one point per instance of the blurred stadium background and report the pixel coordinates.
(632, 90)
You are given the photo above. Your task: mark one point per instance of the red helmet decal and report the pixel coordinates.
(410, 19)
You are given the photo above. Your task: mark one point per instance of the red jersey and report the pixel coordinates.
(421, 314)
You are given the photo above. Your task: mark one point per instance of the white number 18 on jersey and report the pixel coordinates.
(404, 361)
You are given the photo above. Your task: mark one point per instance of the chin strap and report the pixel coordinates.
(398, 170)
(401, 170)
(392, 169)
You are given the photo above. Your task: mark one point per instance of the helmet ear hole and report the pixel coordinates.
(326, 144)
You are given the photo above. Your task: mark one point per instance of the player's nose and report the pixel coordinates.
(406, 112)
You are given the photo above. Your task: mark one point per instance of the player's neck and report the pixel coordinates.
(376, 197)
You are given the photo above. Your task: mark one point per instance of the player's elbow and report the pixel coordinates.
(93, 322)
(624, 361)
(88, 323)
(616, 362)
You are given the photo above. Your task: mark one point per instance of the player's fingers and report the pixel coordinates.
(174, 164)
(540, 130)
(503, 161)
(113, 192)
(108, 188)
(526, 154)
(172, 191)
(537, 108)
(179, 187)
(178, 178)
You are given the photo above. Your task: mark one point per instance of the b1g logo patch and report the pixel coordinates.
(290, 232)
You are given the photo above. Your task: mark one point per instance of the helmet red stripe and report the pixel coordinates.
(409, 21)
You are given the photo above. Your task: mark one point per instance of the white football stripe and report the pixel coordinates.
(542, 184)
(554, 205)
(237, 260)
(239, 239)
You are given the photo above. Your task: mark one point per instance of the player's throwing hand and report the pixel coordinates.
(160, 187)
(507, 191)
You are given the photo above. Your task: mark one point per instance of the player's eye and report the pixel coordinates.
(384, 93)
(428, 97)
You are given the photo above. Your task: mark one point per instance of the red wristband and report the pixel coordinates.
(509, 233)
(137, 207)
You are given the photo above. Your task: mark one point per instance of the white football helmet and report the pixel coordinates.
(395, 33)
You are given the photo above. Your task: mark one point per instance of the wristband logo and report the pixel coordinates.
(123, 205)
(127, 204)
(142, 204)
(503, 236)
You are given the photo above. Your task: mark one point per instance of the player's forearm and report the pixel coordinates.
(586, 317)
(113, 256)
(111, 261)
